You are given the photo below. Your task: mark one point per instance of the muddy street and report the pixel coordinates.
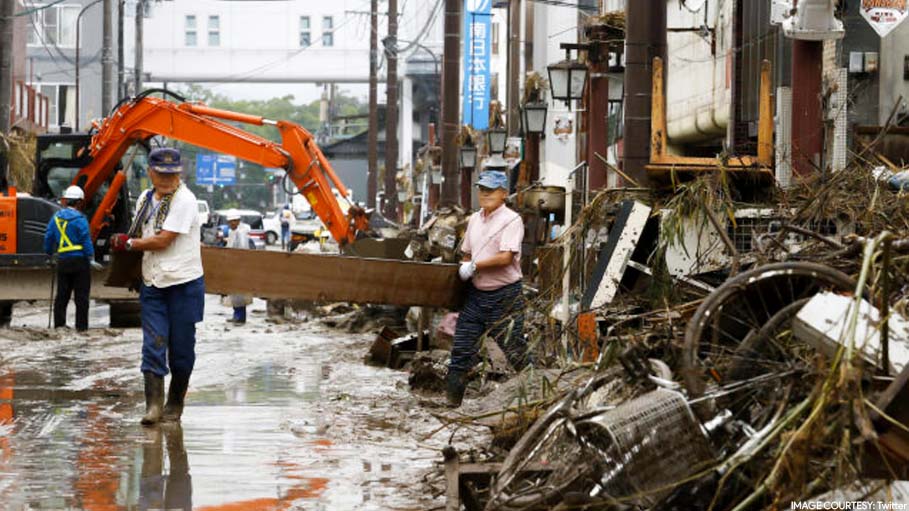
(279, 416)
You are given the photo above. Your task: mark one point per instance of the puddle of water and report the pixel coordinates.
(277, 419)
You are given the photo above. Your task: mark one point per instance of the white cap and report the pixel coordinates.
(74, 193)
(233, 215)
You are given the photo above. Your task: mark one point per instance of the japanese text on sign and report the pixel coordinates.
(884, 15)
(478, 39)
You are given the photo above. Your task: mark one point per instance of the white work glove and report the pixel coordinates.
(96, 266)
(467, 270)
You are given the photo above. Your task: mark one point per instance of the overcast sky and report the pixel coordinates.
(304, 93)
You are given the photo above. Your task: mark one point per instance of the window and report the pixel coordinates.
(190, 29)
(328, 31)
(61, 103)
(55, 25)
(305, 38)
(50, 91)
(214, 31)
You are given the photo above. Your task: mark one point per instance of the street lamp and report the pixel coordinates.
(534, 117)
(567, 79)
(468, 154)
(496, 137)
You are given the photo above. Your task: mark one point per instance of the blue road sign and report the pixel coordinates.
(216, 169)
(477, 49)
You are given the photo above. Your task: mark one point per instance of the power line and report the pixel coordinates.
(33, 10)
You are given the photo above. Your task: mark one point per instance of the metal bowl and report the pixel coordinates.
(548, 199)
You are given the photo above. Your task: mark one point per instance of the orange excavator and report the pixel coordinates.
(95, 161)
(145, 117)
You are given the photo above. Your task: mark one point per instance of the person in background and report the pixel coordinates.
(68, 238)
(238, 237)
(166, 230)
(495, 300)
(287, 220)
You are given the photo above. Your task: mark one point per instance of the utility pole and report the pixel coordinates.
(451, 86)
(528, 35)
(121, 90)
(7, 8)
(391, 113)
(514, 68)
(140, 23)
(645, 39)
(107, 59)
(373, 133)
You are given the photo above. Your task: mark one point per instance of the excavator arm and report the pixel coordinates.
(199, 125)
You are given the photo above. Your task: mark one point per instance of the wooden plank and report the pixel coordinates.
(765, 118)
(319, 277)
(658, 137)
(452, 462)
(714, 162)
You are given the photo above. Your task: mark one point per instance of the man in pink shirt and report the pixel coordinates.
(494, 303)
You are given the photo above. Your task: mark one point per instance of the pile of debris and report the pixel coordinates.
(722, 355)
(21, 149)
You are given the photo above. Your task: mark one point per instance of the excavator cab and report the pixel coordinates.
(58, 160)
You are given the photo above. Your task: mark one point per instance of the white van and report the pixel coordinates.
(203, 212)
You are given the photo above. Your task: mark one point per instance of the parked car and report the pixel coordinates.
(215, 233)
(271, 223)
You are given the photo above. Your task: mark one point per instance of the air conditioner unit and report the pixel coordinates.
(814, 20)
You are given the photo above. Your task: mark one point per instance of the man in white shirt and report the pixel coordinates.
(166, 229)
(238, 237)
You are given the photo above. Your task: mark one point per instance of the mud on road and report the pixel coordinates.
(279, 416)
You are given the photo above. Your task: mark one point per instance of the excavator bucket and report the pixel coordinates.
(316, 277)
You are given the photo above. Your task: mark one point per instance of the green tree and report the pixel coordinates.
(253, 190)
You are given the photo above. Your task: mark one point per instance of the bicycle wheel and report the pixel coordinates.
(740, 337)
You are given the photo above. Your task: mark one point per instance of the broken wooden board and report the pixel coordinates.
(823, 323)
(613, 260)
(317, 277)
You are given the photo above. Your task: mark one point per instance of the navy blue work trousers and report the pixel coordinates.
(498, 313)
(169, 317)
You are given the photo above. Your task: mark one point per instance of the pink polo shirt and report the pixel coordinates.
(487, 235)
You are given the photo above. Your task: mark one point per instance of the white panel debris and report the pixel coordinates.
(628, 235)
(824, 323)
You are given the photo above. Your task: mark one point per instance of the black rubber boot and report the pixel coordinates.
(176, 395)
(154, 398)
(457, 383)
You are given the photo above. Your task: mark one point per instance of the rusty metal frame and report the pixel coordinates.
(662, 163)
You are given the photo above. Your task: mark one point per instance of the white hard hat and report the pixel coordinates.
(74, 193)
(233, 215)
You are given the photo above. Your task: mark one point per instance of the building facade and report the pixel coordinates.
(51, 33)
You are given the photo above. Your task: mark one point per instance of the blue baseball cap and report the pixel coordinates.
(165, 160)
(493, 179)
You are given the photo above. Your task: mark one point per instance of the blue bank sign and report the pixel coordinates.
(216, 169)
(477, 48)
